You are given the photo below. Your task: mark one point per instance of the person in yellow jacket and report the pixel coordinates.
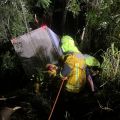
(75, 74)
(75, 68)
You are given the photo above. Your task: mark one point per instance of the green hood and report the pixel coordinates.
(68, 45)
(67, 39)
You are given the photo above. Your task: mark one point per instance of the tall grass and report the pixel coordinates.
(111, 64)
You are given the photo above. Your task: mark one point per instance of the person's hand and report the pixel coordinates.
(51, 69)
(64, 78)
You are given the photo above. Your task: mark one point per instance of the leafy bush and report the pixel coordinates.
(7, 61)
(103, 24)
(43, 3)
(74, 7)
(15, 18)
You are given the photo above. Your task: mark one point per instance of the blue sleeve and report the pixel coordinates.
(87, 72)
(66, 70)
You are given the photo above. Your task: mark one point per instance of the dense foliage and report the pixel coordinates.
(98, 34)
(103, 23)
(14, 19)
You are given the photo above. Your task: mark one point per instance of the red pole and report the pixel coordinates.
(56, 100)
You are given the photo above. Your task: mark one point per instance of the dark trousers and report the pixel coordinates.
(67, 103)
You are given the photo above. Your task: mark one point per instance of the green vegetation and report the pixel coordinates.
(103, 24)
(7, 61)
(102, 32)
(43, 3)
(74, 7)
(111, 64)
(14, 19)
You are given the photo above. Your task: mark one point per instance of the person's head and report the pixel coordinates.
(67, 39)
(68, 44)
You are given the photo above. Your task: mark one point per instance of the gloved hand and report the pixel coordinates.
(52, 69)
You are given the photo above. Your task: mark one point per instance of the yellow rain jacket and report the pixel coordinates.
(77, 72)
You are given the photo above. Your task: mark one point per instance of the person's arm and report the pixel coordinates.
(65, 72)
(90, 81)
